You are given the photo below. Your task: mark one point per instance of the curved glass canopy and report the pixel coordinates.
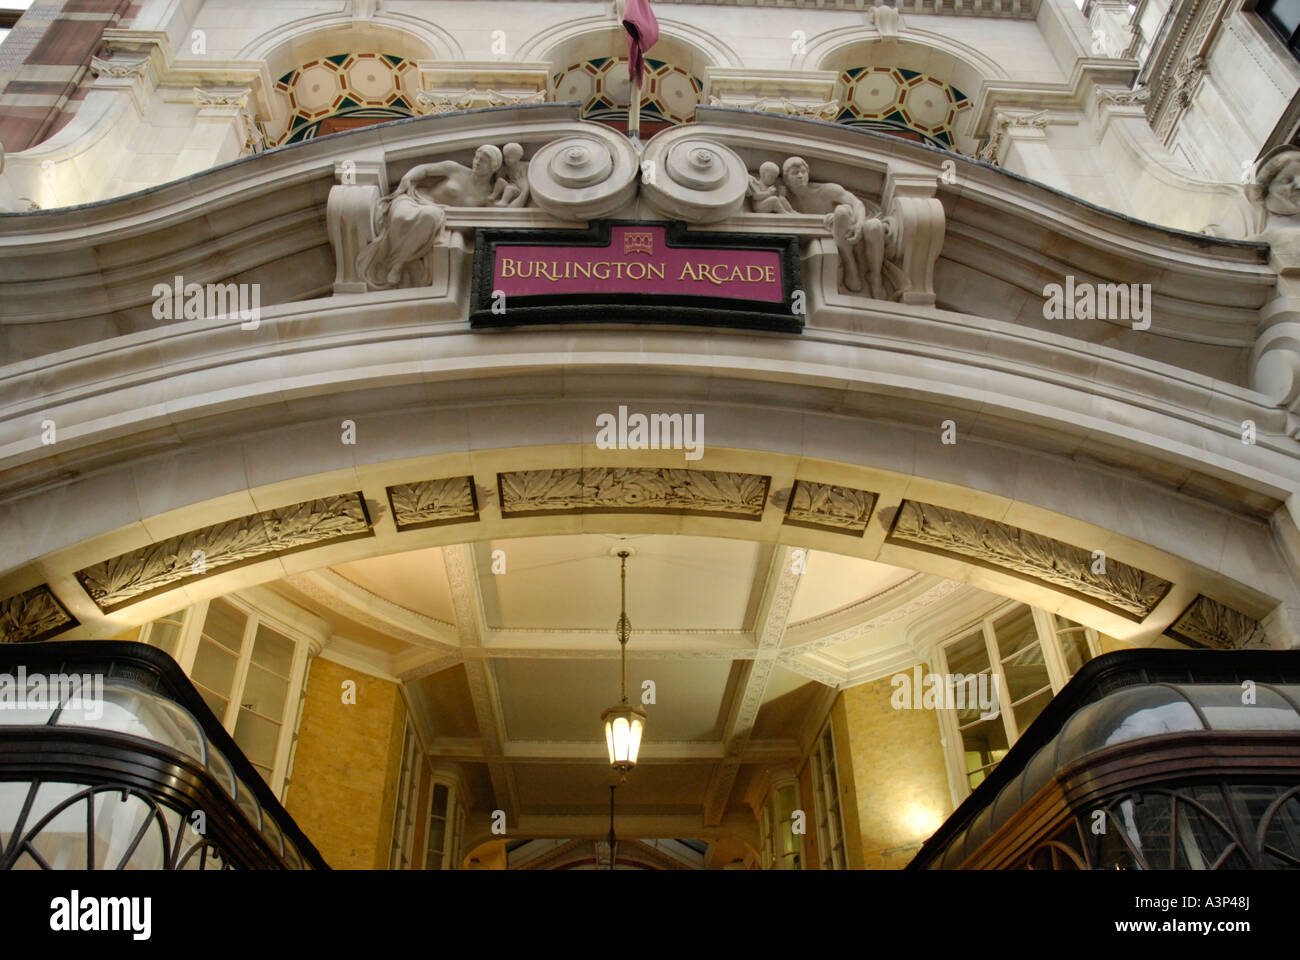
(1154, 699)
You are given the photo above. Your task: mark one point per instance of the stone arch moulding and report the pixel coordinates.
(300, 41)
(234, 522)
(565, 43)
(937, 55)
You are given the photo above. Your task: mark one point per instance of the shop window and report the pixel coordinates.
(446, 820)
(250, 672)
(826, 804)
(408, 793)
(1283, 18)
(1024, 656)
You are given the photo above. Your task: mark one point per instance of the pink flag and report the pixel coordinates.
(642, 34)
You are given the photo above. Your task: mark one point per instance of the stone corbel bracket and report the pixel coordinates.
(350, 213)
(916, 220)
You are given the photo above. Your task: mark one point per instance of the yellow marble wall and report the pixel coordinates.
(346, 769)
(895, 764)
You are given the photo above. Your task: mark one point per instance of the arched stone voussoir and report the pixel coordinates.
(857, 497)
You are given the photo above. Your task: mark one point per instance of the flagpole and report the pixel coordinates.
(642, 34)
(634, 113)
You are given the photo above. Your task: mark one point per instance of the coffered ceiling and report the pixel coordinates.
(507, 655)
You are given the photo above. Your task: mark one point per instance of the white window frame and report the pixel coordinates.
(1053, 658)
(405, 814)
(453, 821)
(187, 648)
(829, 821)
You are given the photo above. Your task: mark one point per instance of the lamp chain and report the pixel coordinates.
(624, 626)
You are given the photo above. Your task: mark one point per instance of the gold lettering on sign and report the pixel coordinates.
(553, 271)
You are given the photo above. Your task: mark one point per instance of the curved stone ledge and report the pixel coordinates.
(262, 220)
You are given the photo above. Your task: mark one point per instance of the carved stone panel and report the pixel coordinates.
(1208, 623)
(532, 493)
(34, 614)
(1125, 589)
(823, 506)
(433, 503)
(150, 570)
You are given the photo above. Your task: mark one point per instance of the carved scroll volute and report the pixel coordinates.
(584, 177)
(916, 223)
(349, 217)
(693, 179)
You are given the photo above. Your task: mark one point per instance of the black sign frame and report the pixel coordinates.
(615, 307)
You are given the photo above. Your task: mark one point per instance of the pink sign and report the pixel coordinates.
(638, 260)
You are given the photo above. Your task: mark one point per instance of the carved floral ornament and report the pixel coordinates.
(37, 614)
(388, 241)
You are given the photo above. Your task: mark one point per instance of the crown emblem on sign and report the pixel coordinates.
(639, 243)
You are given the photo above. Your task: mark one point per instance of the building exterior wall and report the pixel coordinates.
(346, 768)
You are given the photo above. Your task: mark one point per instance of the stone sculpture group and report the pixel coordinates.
(408, 222)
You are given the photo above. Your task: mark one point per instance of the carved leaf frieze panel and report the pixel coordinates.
(34, 614)
(1208, 623)
(141, 573)
(432, 503)
(1123, 588)
(823, 506)
(632, 490)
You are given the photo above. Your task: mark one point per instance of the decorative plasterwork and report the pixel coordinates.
(669, 92)
(222, 98)
(1123, 588)
(433, 503)
(1208, 623)
(770, 627)
(903, 102)
(141, 573)
(1115, 97)
(118, 69)
(823, 506)
(1176, 63)
(356, 87)
(467, 602)
(34, 614)
(337, 593)
(449, 101)
(531, 493)
(902, 611)
(826, 110)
